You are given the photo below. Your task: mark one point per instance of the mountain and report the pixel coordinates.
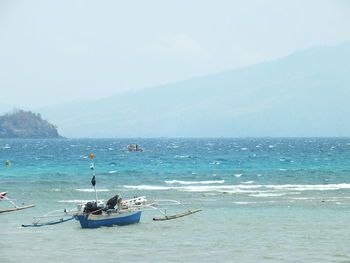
(303, 94)
(26, 124)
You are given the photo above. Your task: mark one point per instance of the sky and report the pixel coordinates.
(71, 50)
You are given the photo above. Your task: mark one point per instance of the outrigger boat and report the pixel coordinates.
(3, 198)
(116, 211)
(119, 212)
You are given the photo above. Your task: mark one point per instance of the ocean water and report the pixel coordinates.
(263, 199)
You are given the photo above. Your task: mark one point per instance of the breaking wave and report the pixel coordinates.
(198, 182)
(252, 190)
(92, 190)
(73, 201)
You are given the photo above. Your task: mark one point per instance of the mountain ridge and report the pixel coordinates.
(303, 94)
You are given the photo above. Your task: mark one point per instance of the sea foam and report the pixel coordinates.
(194, 182)
(92, 190)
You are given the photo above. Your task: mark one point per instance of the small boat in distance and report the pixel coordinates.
(134, 148)
(3, 198)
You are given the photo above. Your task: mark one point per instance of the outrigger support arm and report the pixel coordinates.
(166, 217)
(177, 215)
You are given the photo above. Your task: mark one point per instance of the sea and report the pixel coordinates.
(262, 199)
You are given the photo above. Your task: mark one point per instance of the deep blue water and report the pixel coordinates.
(263, 199)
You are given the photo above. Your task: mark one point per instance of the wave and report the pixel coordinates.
(198, 182)
(206, 188)
(262, 194)
(73, 201)
(311, 187)
(147, 187)
(250, 203)
(257, 190)
(92, 190)
(182, 156)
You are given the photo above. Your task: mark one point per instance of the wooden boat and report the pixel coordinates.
(109, 218)
(3, 198)
(115, 212)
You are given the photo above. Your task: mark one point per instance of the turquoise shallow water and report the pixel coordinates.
(263, 199)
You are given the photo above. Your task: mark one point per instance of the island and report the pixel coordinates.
(26, 125)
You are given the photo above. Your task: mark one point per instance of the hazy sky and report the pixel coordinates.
(56, 51)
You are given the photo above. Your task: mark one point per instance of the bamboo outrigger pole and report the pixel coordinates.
(177, 215)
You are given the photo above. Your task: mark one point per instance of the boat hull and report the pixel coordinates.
(120, 219)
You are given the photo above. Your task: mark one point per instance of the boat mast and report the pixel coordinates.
(93, 180)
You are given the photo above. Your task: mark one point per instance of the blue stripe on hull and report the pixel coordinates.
(120, 221)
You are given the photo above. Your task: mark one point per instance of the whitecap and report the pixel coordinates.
(266, 194)
(147, 187)
(258, 190)
(195, 182)
(244, 203)
(182, 156)
(73, 201)
(92, 190)
(320, 187)
(232, 189)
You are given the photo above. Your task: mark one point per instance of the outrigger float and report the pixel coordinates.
(52, 218)
(116, 211)
(3, 198)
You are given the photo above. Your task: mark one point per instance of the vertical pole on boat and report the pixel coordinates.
(93, 180)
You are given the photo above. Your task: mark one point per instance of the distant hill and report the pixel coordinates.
(304, 94)
(26, 124)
